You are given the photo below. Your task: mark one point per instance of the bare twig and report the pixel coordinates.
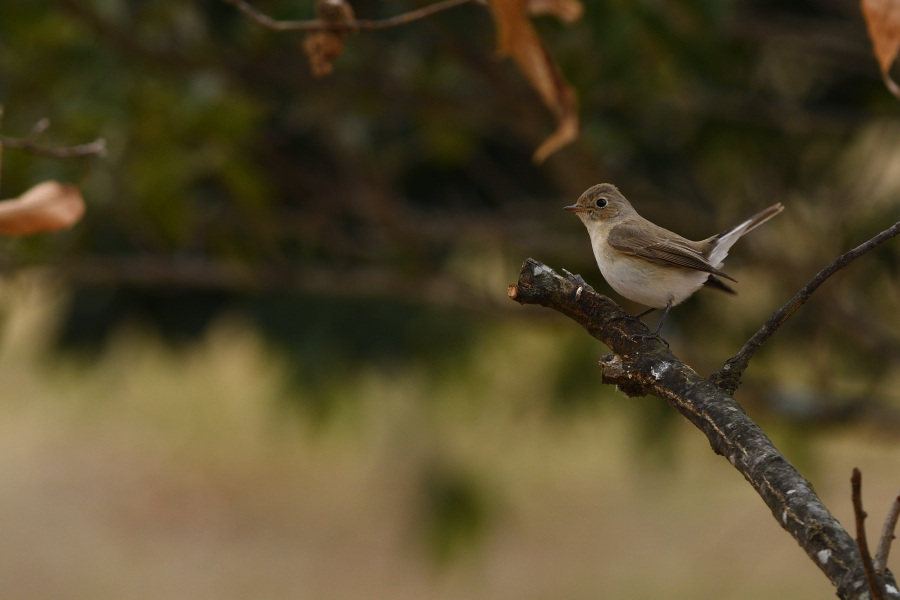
(37, 130)
(95, 148)
(729, 376)
(876, 587)
(355, 25)
(210, 273)
(29, 143)
(887, 536)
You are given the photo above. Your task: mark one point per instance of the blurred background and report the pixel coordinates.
(276, 359)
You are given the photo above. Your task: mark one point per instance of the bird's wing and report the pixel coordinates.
(673, 250)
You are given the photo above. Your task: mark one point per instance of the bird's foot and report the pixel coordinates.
(635, 318)
(649, 336)
(642, 336)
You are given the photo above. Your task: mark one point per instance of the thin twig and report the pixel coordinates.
(29, 143)
(729, 376)
(356, 25)
(95, 148)
(876, 588)
(887, 536)
(210, 273)
(37, 131)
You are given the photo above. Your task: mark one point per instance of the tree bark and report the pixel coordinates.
(646, 366)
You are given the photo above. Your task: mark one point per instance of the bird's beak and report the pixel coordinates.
(575, 208)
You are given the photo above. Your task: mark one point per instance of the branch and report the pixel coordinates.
(356, 25)
(729, 376)
(211, 273)
(887, 536)
(95, 148)
(647, 367)
(29, 143)
(876, 587)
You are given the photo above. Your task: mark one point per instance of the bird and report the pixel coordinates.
(651, 265)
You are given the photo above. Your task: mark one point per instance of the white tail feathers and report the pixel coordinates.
(723, 241)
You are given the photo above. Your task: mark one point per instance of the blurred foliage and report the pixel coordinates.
(454, 512)
(391, 202)
(153, 460)
(369, 222)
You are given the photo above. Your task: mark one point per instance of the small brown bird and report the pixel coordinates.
(648, 264)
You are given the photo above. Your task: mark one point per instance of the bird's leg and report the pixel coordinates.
(644, 314)
(655, 334)
(636, 317)
(583, 285)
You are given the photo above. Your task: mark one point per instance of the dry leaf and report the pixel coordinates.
(567, 11)
(566, 132)
(48, 206)
(883, 20)
(517, 38)
(323, 47)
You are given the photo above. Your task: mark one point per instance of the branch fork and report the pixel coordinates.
(641, 366)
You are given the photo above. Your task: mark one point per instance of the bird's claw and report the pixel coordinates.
(649, 336)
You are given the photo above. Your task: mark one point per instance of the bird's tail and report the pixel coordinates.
(722, 242)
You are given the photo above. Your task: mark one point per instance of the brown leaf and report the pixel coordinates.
(48, 206)
(567, 11)
(566, 132)
(517, 39)
(883, 20)
(323, 47)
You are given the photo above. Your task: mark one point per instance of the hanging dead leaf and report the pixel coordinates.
(566, 131)
(883, 21)
(48, 206)
(323, 47)
(517, 39)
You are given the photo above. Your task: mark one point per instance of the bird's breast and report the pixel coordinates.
(646, 282)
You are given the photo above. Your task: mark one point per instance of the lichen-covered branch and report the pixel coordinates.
(646, 366)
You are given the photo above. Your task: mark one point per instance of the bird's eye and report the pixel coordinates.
(601, 202)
